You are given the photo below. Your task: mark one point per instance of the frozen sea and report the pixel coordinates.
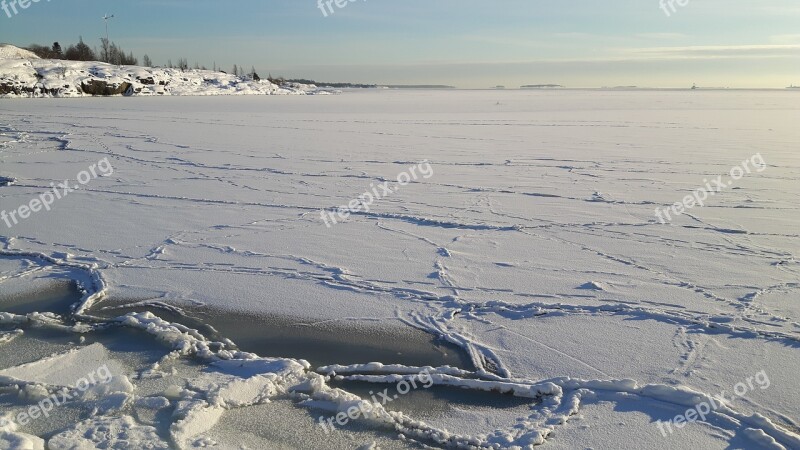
(243, 272)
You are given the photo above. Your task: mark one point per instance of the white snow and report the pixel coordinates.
(8, 51)
(122, 433)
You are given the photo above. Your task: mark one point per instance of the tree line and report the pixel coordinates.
(111, 53)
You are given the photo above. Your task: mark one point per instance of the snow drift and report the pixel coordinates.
(12, 52)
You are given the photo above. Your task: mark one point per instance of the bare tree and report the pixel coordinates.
(41, 51)
(105, 54)
(113, 54)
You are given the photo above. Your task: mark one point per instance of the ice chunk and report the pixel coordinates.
(121, 433)
(79, 368)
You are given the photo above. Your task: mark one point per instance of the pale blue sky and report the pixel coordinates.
(468, 43)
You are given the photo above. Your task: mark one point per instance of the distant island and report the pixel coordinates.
(333, 85)
(366, 86)
(416, 86)
(541, 86)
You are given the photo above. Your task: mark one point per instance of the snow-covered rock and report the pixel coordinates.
(8, 51)
(23, 74)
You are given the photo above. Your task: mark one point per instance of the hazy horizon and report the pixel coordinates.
(467, 44)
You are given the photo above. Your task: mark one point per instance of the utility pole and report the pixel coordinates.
(108, 43)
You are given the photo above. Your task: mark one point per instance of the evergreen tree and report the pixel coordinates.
(80, 52)
(129, 59)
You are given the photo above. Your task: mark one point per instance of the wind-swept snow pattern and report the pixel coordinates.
(533, 251)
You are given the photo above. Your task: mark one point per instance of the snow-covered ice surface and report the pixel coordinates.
(533, 248)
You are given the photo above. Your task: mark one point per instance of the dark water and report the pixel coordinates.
(320, 344)
(57, 297)
(436, 399)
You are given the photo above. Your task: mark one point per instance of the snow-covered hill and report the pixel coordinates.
(23, 74)
(9, 51)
